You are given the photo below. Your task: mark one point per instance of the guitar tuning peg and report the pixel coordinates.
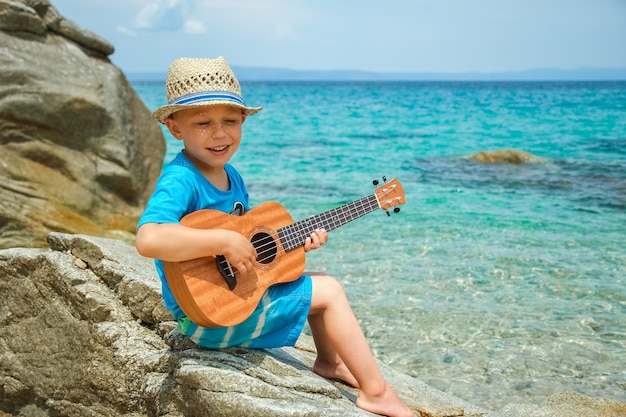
(387, 211)
(396, 210)
(375, 182)
(384, 178)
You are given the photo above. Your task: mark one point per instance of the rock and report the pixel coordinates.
(79, 151)
(565, 404)
(83, 331)
(67, 28)
(98, 341)
(505, 156)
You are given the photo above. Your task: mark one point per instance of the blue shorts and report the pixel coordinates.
(277, 321)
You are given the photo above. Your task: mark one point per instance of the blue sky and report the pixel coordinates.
(450, 36)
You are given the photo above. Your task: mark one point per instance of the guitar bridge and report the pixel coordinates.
(227, 271)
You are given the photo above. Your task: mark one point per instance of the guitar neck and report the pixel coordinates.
(295, 235)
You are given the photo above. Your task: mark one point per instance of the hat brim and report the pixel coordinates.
(166, 111)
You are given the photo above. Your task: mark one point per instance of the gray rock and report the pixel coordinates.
(79, 151)
(84, 332)
(94, 335)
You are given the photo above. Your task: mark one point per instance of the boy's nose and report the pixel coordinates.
(217, 129)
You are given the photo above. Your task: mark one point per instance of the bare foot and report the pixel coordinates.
(335, 371)
(386, 403)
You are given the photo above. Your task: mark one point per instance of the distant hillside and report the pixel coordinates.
(283, 74)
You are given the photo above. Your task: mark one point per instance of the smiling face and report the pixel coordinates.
(211, 134)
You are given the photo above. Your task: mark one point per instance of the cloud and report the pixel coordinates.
(273, 20)
(165, 15)
(126, 31)
(194, 27)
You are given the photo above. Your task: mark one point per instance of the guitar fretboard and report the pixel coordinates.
(295, 234)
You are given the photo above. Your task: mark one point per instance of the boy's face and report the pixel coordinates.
(212, 134)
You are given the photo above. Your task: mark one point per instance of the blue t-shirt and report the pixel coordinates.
(182, 189)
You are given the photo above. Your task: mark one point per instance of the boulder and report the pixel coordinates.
(79, 151)
(84, 332)
(505, 156)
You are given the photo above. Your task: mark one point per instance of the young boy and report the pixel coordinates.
(206, 111)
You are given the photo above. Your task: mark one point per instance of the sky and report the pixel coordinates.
(442, 36)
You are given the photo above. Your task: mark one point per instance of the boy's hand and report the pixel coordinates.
(239, 252)
(317, 239)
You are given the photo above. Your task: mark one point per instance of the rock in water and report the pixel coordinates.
(505, 156)
(79, 151)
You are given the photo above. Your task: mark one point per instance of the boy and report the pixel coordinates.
(206, 111)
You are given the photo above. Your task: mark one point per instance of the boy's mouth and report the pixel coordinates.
(219, 148)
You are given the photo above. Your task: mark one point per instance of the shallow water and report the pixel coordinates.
(497, 283)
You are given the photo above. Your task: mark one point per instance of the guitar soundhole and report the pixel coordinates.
(265, 246)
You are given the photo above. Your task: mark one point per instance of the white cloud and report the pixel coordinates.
(275, 20)
(169, 15)
(194, 27)
(126, 31)
(272, 20)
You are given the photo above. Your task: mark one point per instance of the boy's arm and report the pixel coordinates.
(175, 243)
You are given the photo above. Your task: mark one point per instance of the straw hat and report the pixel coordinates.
(195, 82)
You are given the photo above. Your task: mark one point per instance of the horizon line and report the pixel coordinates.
(248, 73)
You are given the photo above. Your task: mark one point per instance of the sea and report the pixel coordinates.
(498, 283)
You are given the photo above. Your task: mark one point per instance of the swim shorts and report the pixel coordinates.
(277, 321)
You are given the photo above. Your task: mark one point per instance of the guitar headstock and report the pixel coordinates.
(390, 194)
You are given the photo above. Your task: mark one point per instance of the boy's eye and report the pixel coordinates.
(225, 121)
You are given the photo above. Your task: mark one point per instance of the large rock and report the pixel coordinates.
(79, 151)
(505, 156)
(84, 332)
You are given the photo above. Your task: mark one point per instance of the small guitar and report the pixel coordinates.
(214, 294)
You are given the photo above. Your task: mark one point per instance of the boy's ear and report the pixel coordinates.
(243, 117)
(173, 127)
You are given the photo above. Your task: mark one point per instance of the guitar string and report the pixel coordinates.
(303, 228)
(351, 210)
(267, 250)
(299, 231)
(362, 206)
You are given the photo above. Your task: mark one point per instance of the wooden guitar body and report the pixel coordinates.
(198, 285)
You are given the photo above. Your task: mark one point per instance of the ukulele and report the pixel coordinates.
(214, 294)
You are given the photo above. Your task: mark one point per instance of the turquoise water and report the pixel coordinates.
(497, 283)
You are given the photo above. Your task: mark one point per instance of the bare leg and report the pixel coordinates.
(328, 363)
(340, 341)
